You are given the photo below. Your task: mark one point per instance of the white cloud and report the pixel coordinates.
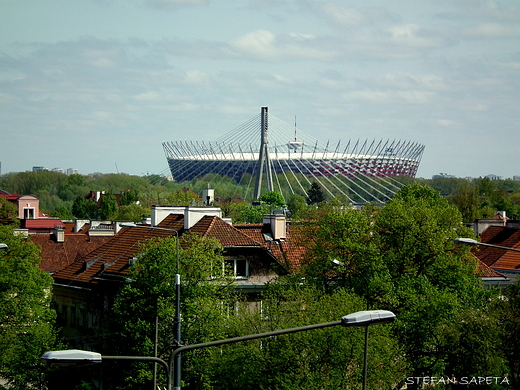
(448, 123)
(264, 45)
(195, 77)
(411, 35)
(493, 31)
(150, 96)
(171, 4)
(412, 97)
(343, 15)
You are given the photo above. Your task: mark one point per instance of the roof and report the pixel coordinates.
(112, 257)
(497, 258)
(9, 196)
(484, 271)
(42, 223)
(228, 235)
(289, 251)
(58, 255)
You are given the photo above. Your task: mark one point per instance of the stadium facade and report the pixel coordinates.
(270, 146)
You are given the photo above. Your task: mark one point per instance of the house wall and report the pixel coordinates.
(28, 203)
(192, 215)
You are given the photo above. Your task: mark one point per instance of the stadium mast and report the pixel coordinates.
(263, 158)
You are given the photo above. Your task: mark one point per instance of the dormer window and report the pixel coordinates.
(238, 267)
(28, 213)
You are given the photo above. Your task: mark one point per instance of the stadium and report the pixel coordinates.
(278, 156)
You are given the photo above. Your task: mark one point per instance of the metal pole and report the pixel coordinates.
(365, 365)
(177, 324)
(155, 350)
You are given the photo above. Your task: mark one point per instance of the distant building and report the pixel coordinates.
(443, 176)
(493, 177)
(72, 171)
(38, 168)
(516, 178)
(60, 170)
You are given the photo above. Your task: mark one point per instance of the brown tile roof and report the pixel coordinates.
(497, 258)
(111, 258)
(289, 251)
(228, 235)
(484, 271)
(58, 255)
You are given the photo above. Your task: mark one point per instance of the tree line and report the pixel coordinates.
(63, 196)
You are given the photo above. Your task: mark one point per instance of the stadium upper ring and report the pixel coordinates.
(289, 152)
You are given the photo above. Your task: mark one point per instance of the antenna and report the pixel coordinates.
(295, 128)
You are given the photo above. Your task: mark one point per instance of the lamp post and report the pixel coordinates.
(359, 319)
(77, 357)
(472, 242)
(177, 320)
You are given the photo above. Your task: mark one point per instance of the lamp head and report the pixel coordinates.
(368, 317)
(70, 357)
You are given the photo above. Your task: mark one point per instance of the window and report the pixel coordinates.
(28, 213)
(239, 268)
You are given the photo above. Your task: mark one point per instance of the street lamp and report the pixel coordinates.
(359, 319)
(470, 241)
(177, 319)
(77, 357)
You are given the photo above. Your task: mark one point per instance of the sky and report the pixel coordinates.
(99, 85)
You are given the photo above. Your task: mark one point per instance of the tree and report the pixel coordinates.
(107, 206)
(434, 283)
(132, 212)
(206, 291)
(329, 358)
(273, 198)
(129, 197)
(401, 257)
(84, 208)
(467, 200)
(315, 194)
(8, 213)
(27, 320)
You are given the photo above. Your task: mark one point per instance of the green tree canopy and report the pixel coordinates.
(206, 291)
(26, 318)
(315, 194)
(8, 213)
(108, 206)
(273, 198)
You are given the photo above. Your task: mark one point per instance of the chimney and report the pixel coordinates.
(278, 225)
(59, 234)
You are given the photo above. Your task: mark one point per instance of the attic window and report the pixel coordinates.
(268, 237)
(239, 267)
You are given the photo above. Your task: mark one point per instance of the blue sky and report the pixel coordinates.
(98, 85)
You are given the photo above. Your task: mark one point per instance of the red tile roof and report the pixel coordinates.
(9, 196)
(42, 223)
(497, 258)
